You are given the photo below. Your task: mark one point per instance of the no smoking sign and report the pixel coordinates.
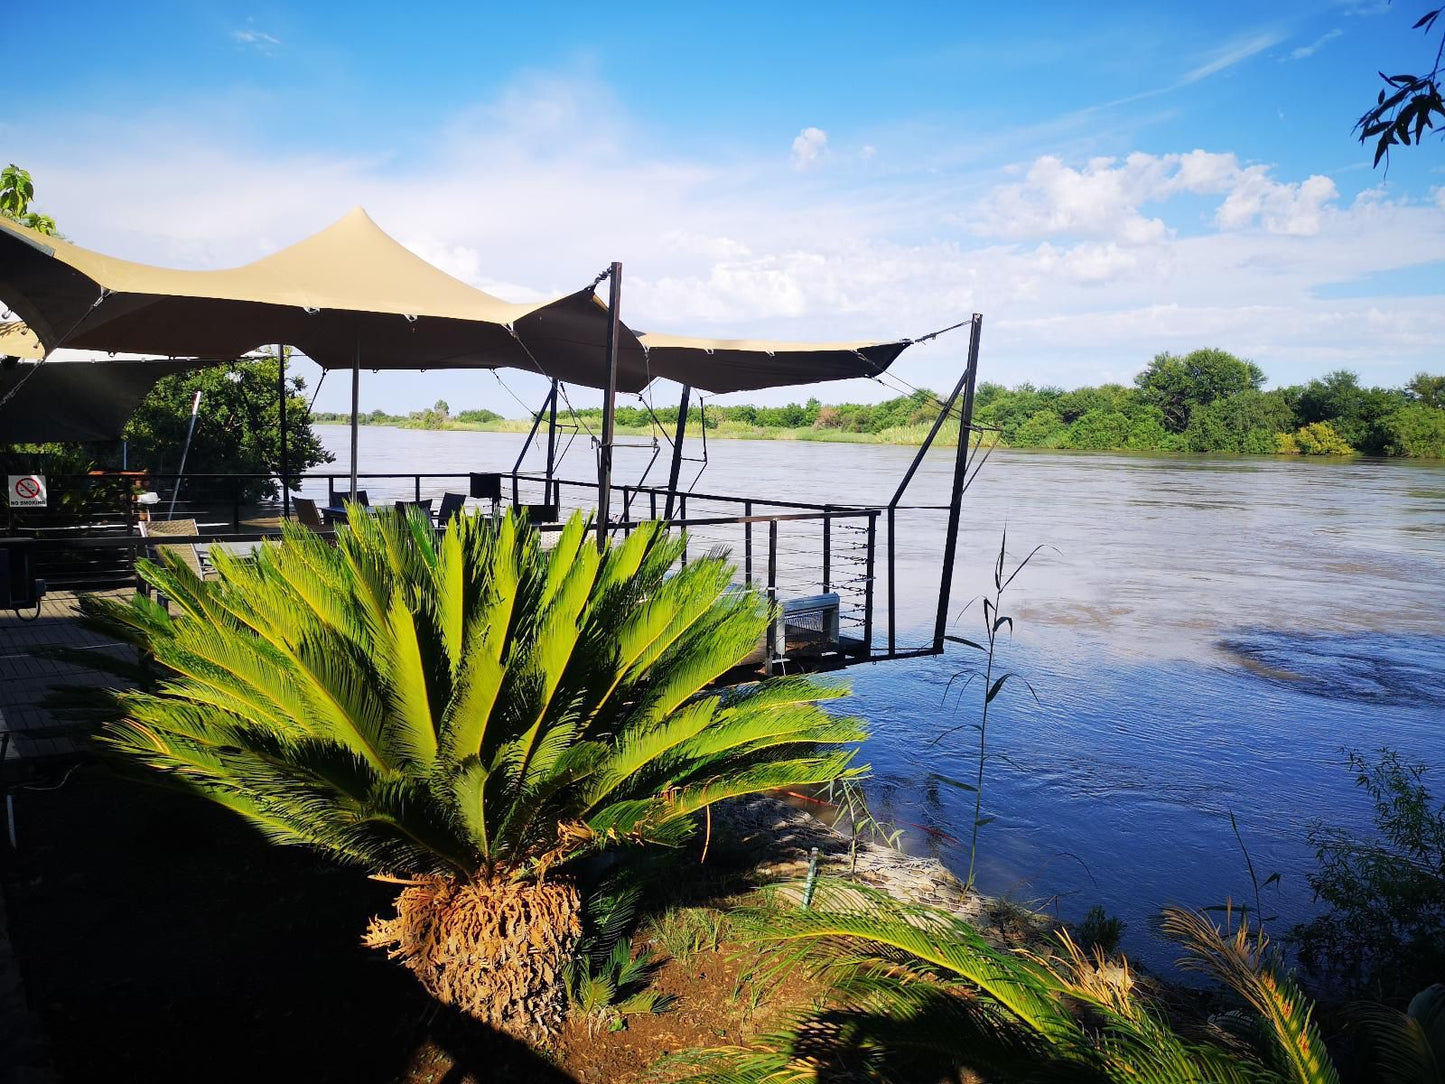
(26, 491)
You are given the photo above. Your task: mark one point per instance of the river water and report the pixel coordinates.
(1204, 636)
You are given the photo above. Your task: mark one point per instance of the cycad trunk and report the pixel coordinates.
(495, 949)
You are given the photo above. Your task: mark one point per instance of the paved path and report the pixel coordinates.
(37, 746)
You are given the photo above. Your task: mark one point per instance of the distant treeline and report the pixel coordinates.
(1205, 401)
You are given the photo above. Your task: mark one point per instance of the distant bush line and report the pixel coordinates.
(1204, 401)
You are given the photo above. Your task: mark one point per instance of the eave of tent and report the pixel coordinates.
(18, 341)
(724, 365)
(350, 289)
(77, 400)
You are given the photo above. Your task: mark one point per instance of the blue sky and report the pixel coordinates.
(1102, 185)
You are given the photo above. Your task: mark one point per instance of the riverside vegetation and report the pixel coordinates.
(1204, 401)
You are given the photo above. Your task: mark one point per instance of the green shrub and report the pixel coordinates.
(1415, 430)
(1316, 438)
(1044, 429)
(1384, 934)
(1098, 430)
(1100, 931)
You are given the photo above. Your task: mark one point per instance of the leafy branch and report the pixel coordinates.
(1407, 104)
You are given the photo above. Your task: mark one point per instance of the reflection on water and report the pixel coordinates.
(1205, 635)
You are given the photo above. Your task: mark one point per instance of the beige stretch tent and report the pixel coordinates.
(353, 297)
(349, 292)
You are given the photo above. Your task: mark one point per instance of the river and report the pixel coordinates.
(1204, 636)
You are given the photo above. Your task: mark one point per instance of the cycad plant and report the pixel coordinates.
(466, 713)
(918, 994)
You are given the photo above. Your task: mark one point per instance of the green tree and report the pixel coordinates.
(1427, 390)
(237, 429)
(1414, 430)
(17, 191)
(1044, 429)
(1244, 422)
(1178, 385)
(1099, 430)
(468, 713)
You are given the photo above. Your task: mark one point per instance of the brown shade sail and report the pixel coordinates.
(349, 290)
(76, 400)
(723, 365)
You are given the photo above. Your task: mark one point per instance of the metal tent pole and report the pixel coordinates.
(677, 449)
(355, 405)
(551, 447)
(960, 476)
(281, 393)
(609, 406)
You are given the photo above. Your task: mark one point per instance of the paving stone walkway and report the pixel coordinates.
(37, 746)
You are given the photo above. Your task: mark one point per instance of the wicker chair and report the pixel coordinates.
(188, 552)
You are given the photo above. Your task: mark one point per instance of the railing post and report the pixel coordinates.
(868, 583)
(418, 489)
(748, 544)
(682, 514)
(892, 584)
(770, 649)
(827, 549)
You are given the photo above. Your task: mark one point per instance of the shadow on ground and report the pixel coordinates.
(161, 939)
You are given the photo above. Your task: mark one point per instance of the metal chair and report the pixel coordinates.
(307, 514)
(452, 505)
(406, 506)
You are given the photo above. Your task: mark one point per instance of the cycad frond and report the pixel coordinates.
(469, 704)
(1240, 962)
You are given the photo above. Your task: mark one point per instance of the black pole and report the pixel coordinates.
(281, 392)
(609, 406)
(527, 444)
(960, 475)
(355, 407)
(551, 449)
(677, 449)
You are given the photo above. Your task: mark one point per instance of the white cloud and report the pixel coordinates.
(1232, 54)
(868, 152)
(808, 146)
(1294, 209)
(1305, 51)
(1104, 198)
(265, 43)
(1082, 267)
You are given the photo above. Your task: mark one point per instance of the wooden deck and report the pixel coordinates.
(32, 736)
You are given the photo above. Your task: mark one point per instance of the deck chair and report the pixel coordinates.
(452, 505)
(307, 514)
(358, 497)
(188, 552)
(406, 506)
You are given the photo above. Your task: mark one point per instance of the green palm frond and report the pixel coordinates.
(464, 704)
(1241, 963)
(915, 993)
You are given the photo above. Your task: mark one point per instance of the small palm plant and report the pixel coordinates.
(918, 994)
(465, 714)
